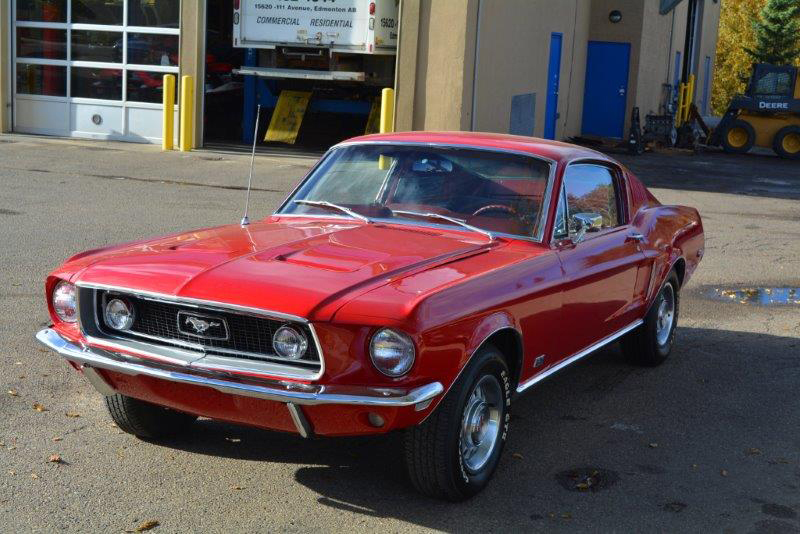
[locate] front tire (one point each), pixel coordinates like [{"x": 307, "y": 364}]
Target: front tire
[
  {"x": 739, "y": 137},
  {"x": 454, "y": 453},
  {"x": 651, "y": 343},
  {"x": 146, "y": 420}
]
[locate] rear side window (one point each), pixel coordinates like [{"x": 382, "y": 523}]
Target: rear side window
[{"x": 592, "y": 189}]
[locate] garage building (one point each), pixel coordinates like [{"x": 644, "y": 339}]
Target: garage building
[{"x": 94, "y": 68}]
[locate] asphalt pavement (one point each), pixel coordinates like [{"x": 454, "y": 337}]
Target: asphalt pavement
[{"x": 708, "y": 442}]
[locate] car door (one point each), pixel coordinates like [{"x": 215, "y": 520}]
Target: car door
[{"x": 600, "y": 263}]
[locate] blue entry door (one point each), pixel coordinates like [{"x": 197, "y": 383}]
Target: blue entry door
[
  {"x": 553, "y": 80},
  {"x": 606, "y": 91}
]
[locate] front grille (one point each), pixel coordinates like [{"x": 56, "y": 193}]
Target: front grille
[{"x": 245, "y": 336}]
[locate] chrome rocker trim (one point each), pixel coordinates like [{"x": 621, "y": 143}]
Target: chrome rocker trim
[
  {"x": 291, "y": 393},
  {"x": 575, "y": 357}
]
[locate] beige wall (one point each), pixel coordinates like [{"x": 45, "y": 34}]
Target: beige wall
[
  {"x": 513, "y": 59},
  {"x": 656, "y": 60},
  {"x": 434, "y": 65},
  {"x": 5, "y": 68},
  {"x": 192, "y": 57},
  {"x": 707, "y": 48}
]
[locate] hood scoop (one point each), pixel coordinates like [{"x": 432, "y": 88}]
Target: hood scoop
[{"x": 334, "y": 257}]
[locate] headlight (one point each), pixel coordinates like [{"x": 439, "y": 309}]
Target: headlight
[
  {"x": 64, "y": 302},
  {"x": 119, "y": 314},
  {"x": 392, "y": 352},
  {"x": 289, "y": 343}
]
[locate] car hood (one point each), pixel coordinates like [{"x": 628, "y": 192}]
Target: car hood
[{"x": 302, "y": 267}]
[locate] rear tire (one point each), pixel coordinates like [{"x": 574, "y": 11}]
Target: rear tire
[
  {"x": 787, "y": 142},
  {"x": 454, "y": 453},
  {"x": 146, "y": 420},
  {"x": 739, "y": 137},
  {"x": 651, "y": 343}
]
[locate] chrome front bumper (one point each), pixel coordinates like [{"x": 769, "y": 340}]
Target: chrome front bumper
[{"x": 291, "y": 393}]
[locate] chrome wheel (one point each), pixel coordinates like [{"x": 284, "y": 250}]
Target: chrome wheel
[
  {"x": 666, "y": 314},
  {"x": 480, "y": 426}
]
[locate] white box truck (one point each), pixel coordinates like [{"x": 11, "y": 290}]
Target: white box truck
[
  {"x": 355, "y": 26},
  {"x": 333, "y": 40}
]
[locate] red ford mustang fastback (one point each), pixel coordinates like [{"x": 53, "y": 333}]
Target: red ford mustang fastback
[{"x": 412, "y": 281}]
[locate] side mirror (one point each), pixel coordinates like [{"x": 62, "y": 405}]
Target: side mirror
[{"x": 580, "y": 223}]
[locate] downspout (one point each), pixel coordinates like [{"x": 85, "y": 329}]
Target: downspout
[{"x": 475, "y": 65}]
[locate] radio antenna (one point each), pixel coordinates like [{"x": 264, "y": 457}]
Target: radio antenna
[{"x": 246, "y": 219}]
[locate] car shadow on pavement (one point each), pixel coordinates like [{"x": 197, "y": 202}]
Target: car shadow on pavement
[{"x": 707, "y": 440}]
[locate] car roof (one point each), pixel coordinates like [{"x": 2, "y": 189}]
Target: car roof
[{"x": 553, "y": 150}]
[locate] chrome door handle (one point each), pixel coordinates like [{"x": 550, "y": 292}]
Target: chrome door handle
[{"x": 639, "y": 238}]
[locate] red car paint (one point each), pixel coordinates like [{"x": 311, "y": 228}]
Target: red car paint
[{"x": 449, "y": 289}]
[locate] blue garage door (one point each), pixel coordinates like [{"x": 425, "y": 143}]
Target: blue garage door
[{"x": 606, "y": 90}]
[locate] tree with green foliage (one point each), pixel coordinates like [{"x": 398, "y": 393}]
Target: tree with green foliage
[
  {"x": 777, "y": 33},
  {"x": 734, "y": 65}
]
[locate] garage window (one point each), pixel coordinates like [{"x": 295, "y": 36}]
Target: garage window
[{"x": 89, "y": 53}]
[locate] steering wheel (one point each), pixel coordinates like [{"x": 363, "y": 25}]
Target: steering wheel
[{"x": 495, "y": 207}]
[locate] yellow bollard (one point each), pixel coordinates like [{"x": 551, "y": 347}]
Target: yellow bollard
[
  {"x": 386, "y": 123},
  {"x": 689, "y": 97},
  {"x": 679, "y": 111},
  {"x": 387, "y": 110},
  {"x": 187, "y": 109},
  {"x": 168, "y": 130}
]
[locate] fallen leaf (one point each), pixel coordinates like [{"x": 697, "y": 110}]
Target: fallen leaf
[
  {"x": 55, "y": 459},
  {"x": 2, "y": 444},
  {"x": 653, "y": 445},
  {"x": 12, "y": 473},
  {"x": 13, "y": 392},
  {"x": 12, "y": 447},
  {"x": 517, "y": 455},
  {"x": 34, "y": 476},
  {"x": 583, "y": 486},
  {"x": 57, "y": 439},
  {"x": 724, "y": 472},
  {"x": 752, "y": 451},
  {"x": 694, "y": 466},
  {"x": 20, "y": 363},
  {"x": 72, "y": 414},
  {"x": 566, "y": 515},
  {"x": 147, "y": 525},
  {"x": 237, "y": 488},
  {"x": 39, "y": 407}
]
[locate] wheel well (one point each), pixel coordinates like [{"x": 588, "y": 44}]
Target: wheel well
[
  {"x": 680, "y": 270},
  {"x": 509, "y": 342}
]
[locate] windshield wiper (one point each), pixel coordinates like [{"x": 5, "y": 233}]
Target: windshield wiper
[
  {"x": 331, "y": 205},
  {"x": 453, "y": 220}
]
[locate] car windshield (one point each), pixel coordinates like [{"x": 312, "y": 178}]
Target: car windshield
[{"x": 483, "y": 190}]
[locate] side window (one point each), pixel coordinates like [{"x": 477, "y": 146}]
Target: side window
[{"x": 592, "y": 189}]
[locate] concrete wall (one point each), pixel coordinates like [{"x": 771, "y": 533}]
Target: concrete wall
[
  {"x": 5, "y": 67},
  {"x": 513, "y": 52},
  {"x": 192, "y": 57},
  {"x": 435, "y": 65},
  {"x": 707, "y": 48}
]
